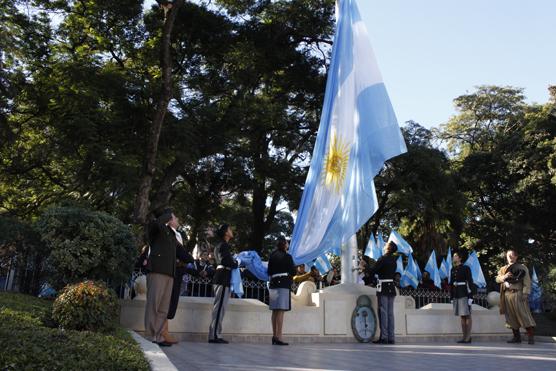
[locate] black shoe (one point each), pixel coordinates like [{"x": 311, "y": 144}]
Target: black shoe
[
  {"x": 164, "y": 344},
  {"x": 380, "y": 341},
  {"x": 514, "y": 341},
  {"x": 276, "y": 341},
  {"x": 218, "y": 341},
  {"x": 531, "y": 340},
  {"x": 467, "y": 341},
  {"x": 391, "y": 342},
  {"x": 462, "y": 341}
]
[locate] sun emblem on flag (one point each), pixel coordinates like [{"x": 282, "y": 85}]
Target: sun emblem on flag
[{"x": 336, "y": 163}]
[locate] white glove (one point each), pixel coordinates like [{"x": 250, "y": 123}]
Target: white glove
[{"x": 469, "y": 302}]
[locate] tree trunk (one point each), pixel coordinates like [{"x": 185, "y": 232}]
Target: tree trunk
[{"x": 141, "y": 207}]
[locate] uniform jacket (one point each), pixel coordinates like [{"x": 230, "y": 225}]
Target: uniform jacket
[
  {"x": 281, "y": 262},
  {"x": 524, "y": 286},
  {"x": 461, "y": 273},
  {"x": 223, "y": 256},
  {"x": 385, "y": 267}
]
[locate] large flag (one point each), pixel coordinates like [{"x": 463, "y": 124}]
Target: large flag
[
  {"x": 358, "y": 132},
  {"x": 399, "y": 265},
  {"x": 536, "y": 293},
  {"x": 449, "y": 263},
  {"x": 403, "y": 246},
  {"x": 372, "y": 250},
  {"x": 409, "y": 277},
  {"x": 476, "y": 271},
  {"x": 432, "y": 268}
]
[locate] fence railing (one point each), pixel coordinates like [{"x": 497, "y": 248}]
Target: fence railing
[
  {"x": 202, "y": 287},
  {"x": 423, "y": 297}
]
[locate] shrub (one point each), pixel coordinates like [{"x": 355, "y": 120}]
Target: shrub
[
  {"x": 29, "y": 345},
  {"x": 85, "y": 244},
  {"x": 86, "y": 306}
]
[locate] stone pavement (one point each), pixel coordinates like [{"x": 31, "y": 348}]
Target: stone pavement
[{"x": 354, "y": 356}]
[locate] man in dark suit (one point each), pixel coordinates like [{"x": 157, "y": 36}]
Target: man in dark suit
[
  {"x": 221, "y": 282},
  {"x": 161, "y": 267}
]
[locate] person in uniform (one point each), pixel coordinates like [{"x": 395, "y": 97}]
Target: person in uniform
[
  {"x": 161, "y": 267},
  {"x": 385, "y": 268},
  {"x": 515, "y": 287},
  {"x": 461, "y": 293},
  {"x": 221, "y": 282},
  {"x": 281, "y": 269}
]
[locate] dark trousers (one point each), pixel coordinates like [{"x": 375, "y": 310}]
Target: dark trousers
[
  {"x": 175, "y": 298},
  {"x": 221, "y": 298},
  {"x": 386, "y": 310}
]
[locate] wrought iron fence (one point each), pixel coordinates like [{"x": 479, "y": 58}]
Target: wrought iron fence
[
  {"x": 426, "y": 296},
  {"x": 202, "y": 287}
]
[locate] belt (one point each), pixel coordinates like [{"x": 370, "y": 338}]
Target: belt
[
  {"x": 386, "y": 280},
  {"x": 223, "y": 267},
  {"x": 279, "y": 275},
  {"x": 460, "y": 283}
]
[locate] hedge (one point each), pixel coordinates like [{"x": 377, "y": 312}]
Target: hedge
[{"x": 28, "y": 343}]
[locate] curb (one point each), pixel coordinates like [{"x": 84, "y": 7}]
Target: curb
[
  {"x": 545, "y": 339},
  {"x": 158, "y": 361}
]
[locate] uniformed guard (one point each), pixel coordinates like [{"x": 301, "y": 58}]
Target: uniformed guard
[
  {"x": 385, "y": 268},
  {"x": 461, "y": 293},
  {"x": 221, "y": 282}
]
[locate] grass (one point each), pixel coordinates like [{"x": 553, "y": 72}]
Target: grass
[{"x": 31, "y": 342}]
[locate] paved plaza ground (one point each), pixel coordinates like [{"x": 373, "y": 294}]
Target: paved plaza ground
[{"x": 349, "y": 356}]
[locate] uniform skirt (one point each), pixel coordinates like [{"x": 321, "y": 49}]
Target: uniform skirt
[
  {"x": 279, "y": 299},
  {"x": 461, "y": 307}
]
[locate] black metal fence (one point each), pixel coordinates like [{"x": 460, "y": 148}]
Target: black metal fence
[
  {"x": 202, "y": 287},
  {"x": 423, "y": 297}
]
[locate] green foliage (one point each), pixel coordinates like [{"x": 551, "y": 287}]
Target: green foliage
[
  {"x": 27, "y": 343},
  {"x": 85, "y": 244},
  {"x": 87, "y": 306}
]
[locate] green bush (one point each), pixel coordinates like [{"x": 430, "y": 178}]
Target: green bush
[
  {"x": 87, "y": 305},
  {"x": 86, "y": 244},
  {"x": 29, "y": 345}
]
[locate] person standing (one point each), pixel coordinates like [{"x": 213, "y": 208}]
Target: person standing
[
  {"x": 281, "y": 269},
  {"x": 221, "y": 282},
  {"x": 461, "y": 293},
  {"x": 182, "y": 259},
  {"x": 161, "y": 267},
  {"x": 385, "y": 268},
  {"x": 515, "y": 287}
]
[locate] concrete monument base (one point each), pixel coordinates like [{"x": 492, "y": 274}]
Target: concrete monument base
[{"x": 323, "y": 316}]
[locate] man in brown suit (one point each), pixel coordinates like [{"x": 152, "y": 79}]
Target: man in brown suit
[{"x": 515, "y": 287}]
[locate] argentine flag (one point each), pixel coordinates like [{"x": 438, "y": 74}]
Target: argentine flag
[
  {"x": 432, "y": 268},
  {"x": 443, "y": 270},
  {"x": 409, "y": 277},
  {"x": 399, "y": 265},
  {"x": 358, "y": 132},
  {"x": 449, "y": 264},
  {"x": 323, "y": 264},
  {"x": 403, "y": 246},
  {"x": 372, "y": 250},
  {"x": 476, "y": 271}
]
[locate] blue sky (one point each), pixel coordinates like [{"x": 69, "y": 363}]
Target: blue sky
[{"x": 432, "y": 51}]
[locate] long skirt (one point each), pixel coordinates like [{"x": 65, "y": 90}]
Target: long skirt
[{"x": 517, "y": 311}]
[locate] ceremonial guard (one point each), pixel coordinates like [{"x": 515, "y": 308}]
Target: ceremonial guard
[
  {"x": 515, "y": 287},
  {"x": 281, "y": 269},
  {"x": 385, "y": 268},
  {"x": 462, "y": 290},
  {"x": 221, "y": 282}
]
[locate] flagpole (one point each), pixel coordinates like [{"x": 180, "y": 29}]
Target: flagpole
[{"x": 349, "y": 261}]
